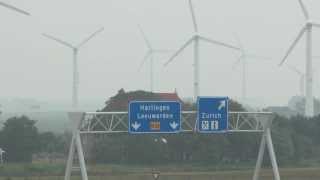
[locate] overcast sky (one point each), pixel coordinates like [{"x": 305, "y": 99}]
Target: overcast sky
[{"x": 32, "y": 66}]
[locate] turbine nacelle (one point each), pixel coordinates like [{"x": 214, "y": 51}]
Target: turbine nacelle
[
  {"x": 196, "y": 35},
  {"x": 309, "y": 23}
]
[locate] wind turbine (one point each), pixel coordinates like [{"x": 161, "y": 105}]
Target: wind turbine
[
  {"x": 1, "y": 155},
  {"x": 75, "y": 50},
  {"x": 195, "y": 39},
  {"x": 302, "y": 77},
  {"x": 150, "y": 56},
  {"x": 243, "y": 59},
  {"x": 307, "y": 28},
  {"x": 14, "y": 8}
]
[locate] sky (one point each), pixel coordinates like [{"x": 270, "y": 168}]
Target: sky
[{"x": 32, "y": 66}]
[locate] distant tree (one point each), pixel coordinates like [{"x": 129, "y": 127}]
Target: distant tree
[
  {"x": 180, "y": 148},
  {"x": 50, "y": 143},
  {"x": 19, "y": 139},
  {"x": 297, "y": 103}
]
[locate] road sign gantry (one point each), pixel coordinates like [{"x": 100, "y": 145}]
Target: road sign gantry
[{"x": 117, "y": 122}]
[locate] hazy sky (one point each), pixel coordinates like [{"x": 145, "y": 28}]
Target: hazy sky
[{"x": 35, "y": 67}]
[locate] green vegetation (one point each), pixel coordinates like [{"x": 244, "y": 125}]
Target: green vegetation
[
  {"x": 296, "y": 142},
  {"x": 21, "y": 140},
  {"x": 101, "y": 172},
  {"x": 28, "y": 169}
]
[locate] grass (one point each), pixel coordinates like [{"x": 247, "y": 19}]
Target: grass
[
  {"x": 286, "y": 174},
  {"x": 22, "y": 169},
  {"x": 134, "y": 172}
]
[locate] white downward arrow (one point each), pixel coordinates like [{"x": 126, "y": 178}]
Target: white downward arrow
[
  {"x": 135, "y": 125},
  {"x": 222, "y": 105},
  {"x": 173, "y": 125}
]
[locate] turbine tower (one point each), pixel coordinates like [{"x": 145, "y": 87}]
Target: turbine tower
[
  {"x": 195, "y": 39},
  {"x": 150, "y": 56},
  {"x": 307, "y": 28},
  {"x": 302, "y": 77},
  {"x": 1, "y": 155},
  {"x": 14, "y": 8},
  {"x": 75, "y": 50},
  {"x": 243, "y": 59}
]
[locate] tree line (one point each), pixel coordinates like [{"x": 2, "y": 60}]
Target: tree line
[
  {"x": 20, "y": 139},
  {"x": 296, "y": 141}
]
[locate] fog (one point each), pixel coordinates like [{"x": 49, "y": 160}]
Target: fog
[{"x": 33, "y": 66}]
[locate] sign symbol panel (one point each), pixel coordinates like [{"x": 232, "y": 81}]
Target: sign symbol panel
[
  {"x": 154, "y": 117},
  {"x": 212, "y": 114}
]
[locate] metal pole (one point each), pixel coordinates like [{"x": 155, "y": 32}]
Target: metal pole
[
  {"x": 260, "y": 157},
  {"x": 272, "y": 155},
  {"x": 244, "y": 88},
  {"x": 151, "y": 72},
  {"x": 70, "y": 158},
  {"x": 81, "y": 157},
  {"x": 75, "y": 118},
  {"x": 309, "y": 96},
  {"x": 75, "y": 79},
  {"x": 302, "y": 83},
  {"x": 196, "y": 69}
]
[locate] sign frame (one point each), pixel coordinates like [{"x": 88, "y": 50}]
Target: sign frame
[
  {"x": 159, "y": 132},
  {"x": 198, "y": 114}
]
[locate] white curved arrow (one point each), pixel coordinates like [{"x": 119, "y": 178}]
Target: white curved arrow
[{"x": 222, "y": 105}]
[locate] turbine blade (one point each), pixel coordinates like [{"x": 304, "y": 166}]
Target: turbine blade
[
  {"x": 14, "y": 8},
  {"x": 218, "y": 43},
  {"x": 179, "y": 51},
  {"x": 316, "y": 25},
  {"x": 294, "y": 69},
  {"x": 293, "y": 45},
  {"x": 145, "y": 37},
  {"x": 58, "y": 40},
  {"x": 145, "y": 58},
  {"x": 90, "y": 37},
  {"x": 304, "y": 9},
  {"x": 194, "y": 20}
]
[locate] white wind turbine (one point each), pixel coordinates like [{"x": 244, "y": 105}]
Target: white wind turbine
[
  {"x": 243, "y": 59},
  {"x": 195, "y": 39},
  {"x": 150, "y": 56},
  {"x": 302, "y": 77},
  {"x": 307, "y": 28},
  {"x": 75, "y": 50},
  {"x": 14, "y": 8},
  {"x": 1, "y": 155}
]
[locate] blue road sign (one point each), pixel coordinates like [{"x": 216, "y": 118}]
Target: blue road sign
[
  {"x": 212, "y": 114},
  {"x": 154, "y": 117}
]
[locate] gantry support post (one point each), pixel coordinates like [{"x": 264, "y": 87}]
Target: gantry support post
[
  {"x": 76, "y": 146},
  {"x": 266, "y": 140}
]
